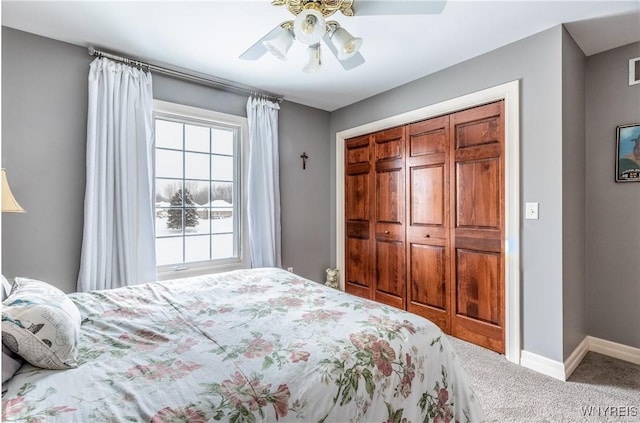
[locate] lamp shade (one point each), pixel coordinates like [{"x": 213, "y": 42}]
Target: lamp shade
[
  {"x": 280, "y": 44},
  {"x": 9, "y": 203},
  {"x": 309, "y": 27},
  {"x": 314, "y": 62},
  {"x": 346, "y": 44}
]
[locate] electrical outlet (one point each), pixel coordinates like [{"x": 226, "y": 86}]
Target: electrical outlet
[
  {"x": 290, "y": 269},
  {"x": 531, "y": 211}
]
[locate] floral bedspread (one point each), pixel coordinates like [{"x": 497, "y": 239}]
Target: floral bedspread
[{"x": 260, "y": 345}]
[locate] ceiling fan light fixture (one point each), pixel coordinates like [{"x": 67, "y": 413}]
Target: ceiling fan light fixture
[
  {"x": 309, "y": 27},
  {"x": 346, "y": 44},
  {"x": 280, "y": 44},
  {"x": 314, "y": 62}
]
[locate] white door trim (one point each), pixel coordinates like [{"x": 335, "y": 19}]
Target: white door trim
[{"x": 510, "y": 93}]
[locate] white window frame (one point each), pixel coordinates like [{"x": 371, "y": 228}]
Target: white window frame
[{"x": 180, "y": 112}]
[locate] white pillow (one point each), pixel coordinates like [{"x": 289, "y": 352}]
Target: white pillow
[
  {"x": 6, "y": 288},
  {"x": 10, "y": 364},
  {"x": 41, "y": 324}
]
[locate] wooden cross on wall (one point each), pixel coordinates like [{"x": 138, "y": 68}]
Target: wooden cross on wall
[{"x": 304, "y": 158}]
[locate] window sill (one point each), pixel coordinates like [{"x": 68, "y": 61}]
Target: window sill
[{"x": 164, "y": 275}]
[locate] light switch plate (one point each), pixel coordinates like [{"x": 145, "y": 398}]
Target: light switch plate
[{"x": 531, "y": 211}]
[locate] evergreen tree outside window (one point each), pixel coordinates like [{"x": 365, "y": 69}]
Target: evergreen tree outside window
[
  {"x": 175, "y": 215},
  {"x": 198, "y": 202}
]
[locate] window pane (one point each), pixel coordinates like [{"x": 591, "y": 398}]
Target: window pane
[
  {"x": 196, "y": 138},
  {"x": 191, "y": 220},
  {"x": 198, "y": 194},
  {"x": 169, "y": 250},
  {"x": 221, "y": 246},
  {"x": 198, "y": 191},
  {"x": 222, "y": 141},
  {"x": 168, "y": 193},
  {"x": 162, "y": 216},
  {"x": 221, "y": 221},
  {"x": 204, "y": 223},
  {"x": 172, "y": 224},
  {"x": 222, "y": 191},
  {"x": 196, "y": 166},
  {"x": 168, "y": 134},
  {"x": 168, "y": 164},
  {"x": 222, "y": 168},
  {"x": 196, "y": 248},
  {"x": 221, "y": 207}
]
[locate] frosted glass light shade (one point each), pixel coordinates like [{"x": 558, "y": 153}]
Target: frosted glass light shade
[
  {"x": 315, "y": 62},
  {"x": 280, "y": 44},
  {"x": 9, "y": 203},
  {"x": 346, "y": 44},
  {"x": 309, "y": 27}
]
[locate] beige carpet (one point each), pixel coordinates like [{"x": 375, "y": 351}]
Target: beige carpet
[{"x": 607, "y": 388}]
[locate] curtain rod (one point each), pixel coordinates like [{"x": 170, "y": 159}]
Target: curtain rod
[{"x": 216, "y": 83}]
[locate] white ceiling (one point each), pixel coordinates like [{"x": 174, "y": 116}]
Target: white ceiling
[{"x": 208, "y": 36}]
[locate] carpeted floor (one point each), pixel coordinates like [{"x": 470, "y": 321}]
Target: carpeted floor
[{"x": 602, "y": 389}]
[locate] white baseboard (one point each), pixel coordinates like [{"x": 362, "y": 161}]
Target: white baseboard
[
  {"x": 543, "y": 365},
  {"x": 576, "y": 357},
  {"x": 613, "y": 349},
  {"x": 562, "y": 371}
]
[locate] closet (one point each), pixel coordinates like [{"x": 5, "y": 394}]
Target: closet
[{"x": 424, "y": 221}]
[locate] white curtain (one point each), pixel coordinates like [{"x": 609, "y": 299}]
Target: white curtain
[
  {"x": 263, "y": 187},
  {"x": 118, "y": 245}
]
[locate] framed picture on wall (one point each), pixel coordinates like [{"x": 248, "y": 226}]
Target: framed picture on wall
[
  {"x": 628, "y": 153},
  {"x": 634, "y": 71}
]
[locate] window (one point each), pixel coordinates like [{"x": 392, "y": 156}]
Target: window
[{"x": 198, "y": 179}]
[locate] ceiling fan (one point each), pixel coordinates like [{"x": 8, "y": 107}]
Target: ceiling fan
[{"x": 311, "y": 26}]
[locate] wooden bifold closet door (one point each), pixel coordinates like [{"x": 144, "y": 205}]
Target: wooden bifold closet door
[{"x": 424, "y": 218}]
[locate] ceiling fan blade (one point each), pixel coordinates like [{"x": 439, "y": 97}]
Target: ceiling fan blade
[
  {"x": 348, "y": 64},
  {"x": 402, "y": 7},
  {"x": 257, "y": 50},
  {"x": 352, "y": 62}
]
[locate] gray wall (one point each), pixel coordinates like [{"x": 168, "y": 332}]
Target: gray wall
[
  {"x": 573, "y": 195},
  {"x": 537, "y": 62},
  {"x": 44, "y": 131},
  {"x": 305, "y": 218},
  {"x": 44, "y": 99},
  {"x": 613, "y": 209}
]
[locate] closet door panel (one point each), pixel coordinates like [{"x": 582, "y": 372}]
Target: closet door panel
[
  {"x": 426, "y": 195},
  {"x": 427, "y": 187},
  {"x": 357, "y": 193},
  {"x": 477, "y": 285},
  {"x": 477, "y": 226},
  {"x": 390, "y": 273},
  {"x": 479, "y": 126},
  {"x": 358, "y": 217},
  {"x": 427, "y": 282},
  {"x": 428, "y": 287},
  {"x": 389, "y": 144},
  {"x": 390, "y": 265},
  {"x": 357, "y": 267},
  {"x": 390, "y": 196},
  {"x": 478, "y": 193}
]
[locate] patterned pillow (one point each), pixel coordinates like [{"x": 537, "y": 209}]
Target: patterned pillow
[{"x": 41, "y": 324}]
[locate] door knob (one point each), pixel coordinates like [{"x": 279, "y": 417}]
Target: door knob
[{"x": 386, "y": 232}]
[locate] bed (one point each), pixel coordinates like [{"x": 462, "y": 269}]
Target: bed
[{"x": 245, "y": 346}]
